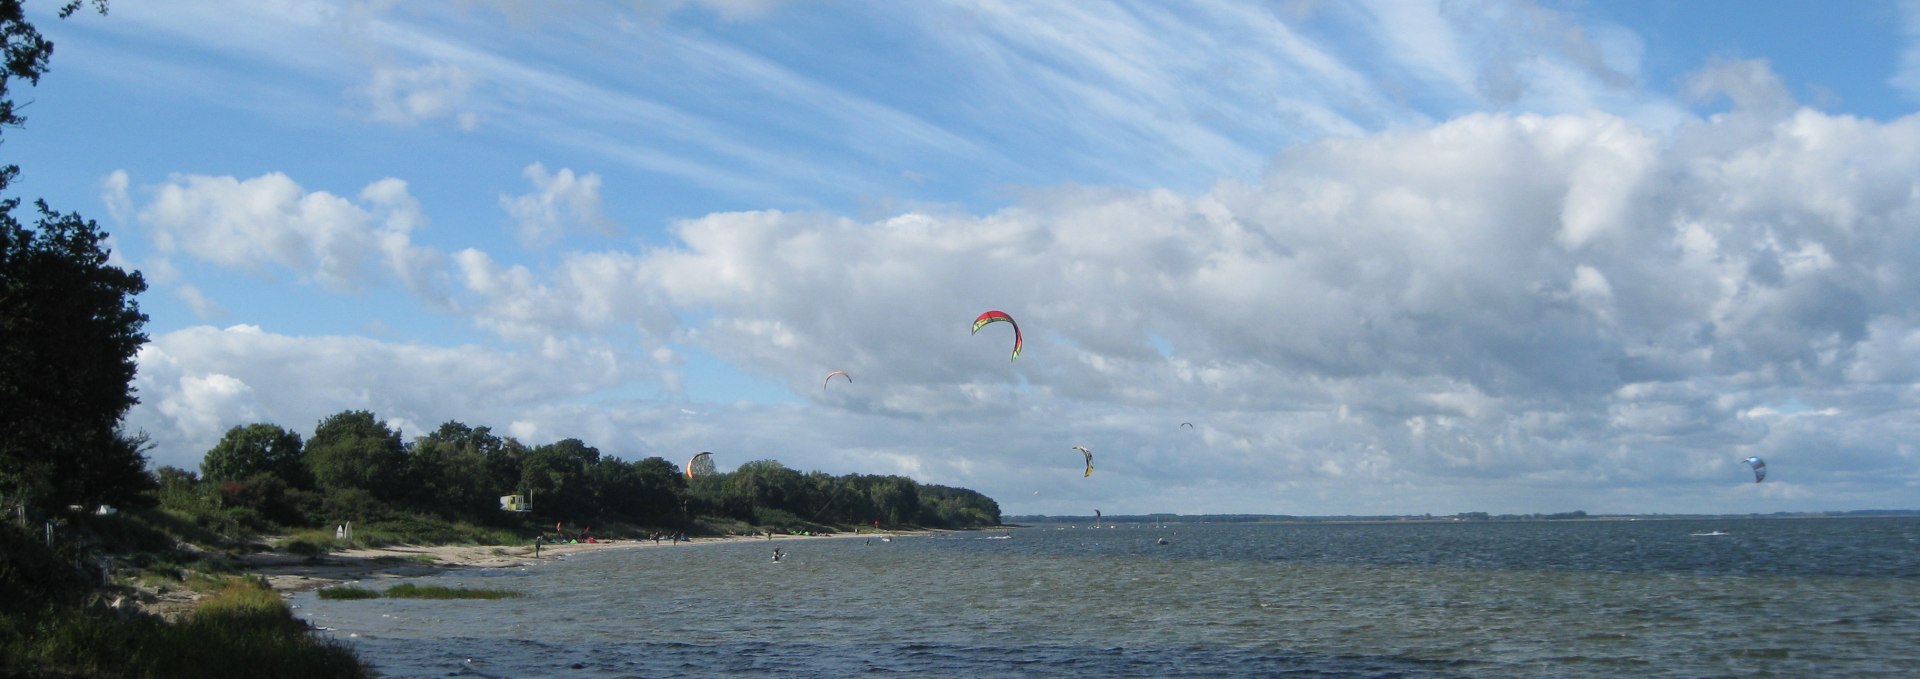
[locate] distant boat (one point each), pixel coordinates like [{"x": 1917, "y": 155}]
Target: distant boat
[
  {"x": 1161, "y": 541},
  {"x": 1709, "y": 534}
]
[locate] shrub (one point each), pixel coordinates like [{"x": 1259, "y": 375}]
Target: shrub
[
  {"x": 347, "y": 592},
  {"x": 310, "y": 544},
  {"x": 411, "y": 591}
]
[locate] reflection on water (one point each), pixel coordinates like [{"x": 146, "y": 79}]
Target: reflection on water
[{"x": 1787, "y": 598}]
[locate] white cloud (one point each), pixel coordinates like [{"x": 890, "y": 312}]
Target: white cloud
[
  {"x": 198, "y": 382},
  {"x": 197, "y": 302},
  {"x": 1906, "y": 77},
  {"x": 269, "y": 222},
  {"x": 113, "y": 194},
  {"x": 561, "y": 202},
  {"x": 409, "y": 96}
]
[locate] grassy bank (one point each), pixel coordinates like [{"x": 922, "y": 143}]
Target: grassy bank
[{"x": 244, "y": 630}]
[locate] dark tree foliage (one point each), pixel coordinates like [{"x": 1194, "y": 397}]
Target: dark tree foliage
[
  {"x": 69, "y": 329},
  {"x": 555, "y": 475},
  {"x": 458, "y": 472},
  {"x": 353, "y": 451},
  {"x": 258, "y": 448}
]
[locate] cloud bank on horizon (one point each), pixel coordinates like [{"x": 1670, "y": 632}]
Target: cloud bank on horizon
[{"x": 1393, "y": 258}]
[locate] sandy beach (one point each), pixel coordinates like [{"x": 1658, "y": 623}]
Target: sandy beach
[{"x": 289, "y": 573}]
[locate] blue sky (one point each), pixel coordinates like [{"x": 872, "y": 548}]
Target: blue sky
[{"x": 1396, "y": 257}]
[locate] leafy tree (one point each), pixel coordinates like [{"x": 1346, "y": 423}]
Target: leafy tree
[
  {"x": 556, "y": 475},
  {"x": 458, "y": 472},
  {"x": 69, "y": 328},
  {"x": 766, "y": 484},
  {"x": 351, "y": 450},
  {"x": 945, "y": 507},
  {"x": 255, "y": 449},
  {"x": 662, "y": 498},
  {"x": 895, "y": 498}
]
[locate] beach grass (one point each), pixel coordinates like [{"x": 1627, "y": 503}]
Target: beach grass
[
  {"x": 243, "y": 630},
  {"x": 412, "y": 591},
  {"x": 347, "y": 592}
]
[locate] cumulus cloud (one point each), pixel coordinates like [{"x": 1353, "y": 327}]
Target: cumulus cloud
[
  {"x": 561, "y": 202},
  {"x": 269, "y": 222},
  {"x": 197, "y": 382},
  {"x": 1412, "y": 319},
  {"x": 1547, "y": 296}
]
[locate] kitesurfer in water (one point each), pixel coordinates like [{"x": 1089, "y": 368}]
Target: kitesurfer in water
[{"x": 779, "y": 554}]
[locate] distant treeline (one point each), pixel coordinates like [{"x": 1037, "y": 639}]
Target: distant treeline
[{"x": 355, "y": 468}]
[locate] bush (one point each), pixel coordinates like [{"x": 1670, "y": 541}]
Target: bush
[
  {"x": 32, "y": 575},
  {"x": 407, "y": 590},
  {"x": 310, "y": 544},
  {"x": 242, "y": 631},
  {"x": 347, "y": 592}
]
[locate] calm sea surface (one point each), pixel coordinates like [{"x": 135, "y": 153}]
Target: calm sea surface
[{"x": 1771, "y": 598}]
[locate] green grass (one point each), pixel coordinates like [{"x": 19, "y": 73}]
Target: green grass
[
  {"x": 244, "y": 630},
  {"x": 310, "y": 543},
  {"x": 412, "y": 591},
  {"x": 347, "y": 592},
  {"x": 430, "y": 530}
]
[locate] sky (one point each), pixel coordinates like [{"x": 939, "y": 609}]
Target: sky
[{"x": 1386, "y": 258}]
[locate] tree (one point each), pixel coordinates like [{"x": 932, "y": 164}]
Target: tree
[
  {"x": 69, "y": 328},
  {"x": 461, "y": 472},
  {"x": 255, "y": 449},
  {"x": 556, "y": 476},
  {"x": 351, "y": 450},
  {"x": 662, "y": 501}
]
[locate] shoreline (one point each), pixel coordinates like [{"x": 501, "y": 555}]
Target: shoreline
[{"x": 288, "y": 574}]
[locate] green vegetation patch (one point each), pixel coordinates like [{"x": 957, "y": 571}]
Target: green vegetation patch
[
  {"x": 244, "y": 630},
  {"x": 412, "y": 591},
  {"x": 348, "y": 592}
]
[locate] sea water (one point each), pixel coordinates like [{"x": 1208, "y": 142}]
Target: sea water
[{"x": 1769, "y": 598}]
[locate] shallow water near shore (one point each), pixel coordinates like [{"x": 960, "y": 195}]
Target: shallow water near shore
[{"x": 1770, "y": 598}]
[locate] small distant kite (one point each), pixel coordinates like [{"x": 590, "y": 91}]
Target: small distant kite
[
  {"x": 1000, "y": 317},
  {"x": 1089, "y": 455},
  {"x": 696, "y": 460},
  {"x": 842, "y": 373},
  {"x": 1759, "y": 468},
  {"x": 1188, "y": 425}
]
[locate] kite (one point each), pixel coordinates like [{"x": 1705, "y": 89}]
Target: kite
[
  {"x": 1089, "y": 455},
  {"x": 1000, "y": 317},
  {"x": 841, "y": 373},
  {"x": 1188, "y": 425},
  {"x": 1759, "y": 468},
  {"x": 696, "y": 457}
]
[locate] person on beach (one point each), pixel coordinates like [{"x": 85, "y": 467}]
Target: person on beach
[{"x": 538, "y": 540}]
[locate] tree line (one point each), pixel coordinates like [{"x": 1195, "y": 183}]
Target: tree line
[{"x": 356, "y": 468}]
